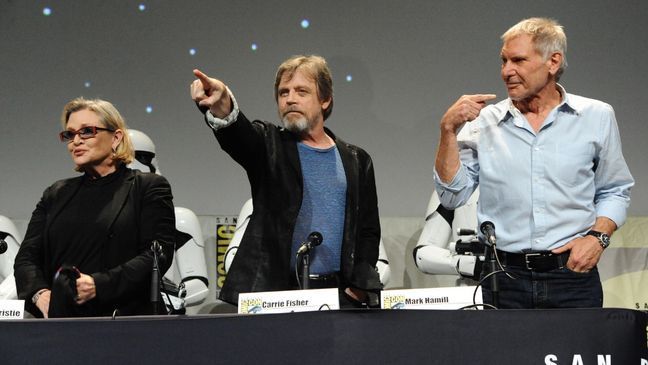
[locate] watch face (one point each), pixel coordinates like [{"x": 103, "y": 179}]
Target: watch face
[{"x": 605, "y": 239}]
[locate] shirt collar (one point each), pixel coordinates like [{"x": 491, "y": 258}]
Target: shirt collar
[
  {"x": 509, "y": 111},
  {"x": 568, "y": 105}
]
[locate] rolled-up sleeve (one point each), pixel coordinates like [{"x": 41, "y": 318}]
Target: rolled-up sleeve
[
  {"x": 457, "y": 192},
  {"x": 612, "y": 178}
]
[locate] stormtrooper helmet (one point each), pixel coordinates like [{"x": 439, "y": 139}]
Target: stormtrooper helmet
[{"x": 144, "y": 152}]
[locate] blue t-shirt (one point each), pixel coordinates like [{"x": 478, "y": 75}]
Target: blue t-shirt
[{"x": 323, "y": 207}]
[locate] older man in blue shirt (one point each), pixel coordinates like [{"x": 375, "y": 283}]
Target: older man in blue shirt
[{"x": 550, "y": 170}]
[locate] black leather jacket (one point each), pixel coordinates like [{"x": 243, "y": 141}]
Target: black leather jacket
[
  {"x": 269, "y": 155},
  {"x": 141, "y": 211}
]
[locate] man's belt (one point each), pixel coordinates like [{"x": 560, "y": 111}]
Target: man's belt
[
  {"x": 535, "y": 261},
  {"x": 321, "y": 281}
]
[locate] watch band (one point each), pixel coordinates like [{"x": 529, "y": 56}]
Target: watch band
[{"x": 603, "y": 238}]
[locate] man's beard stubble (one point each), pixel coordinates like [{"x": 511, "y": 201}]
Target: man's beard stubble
[{"x": 299, "y": 126}]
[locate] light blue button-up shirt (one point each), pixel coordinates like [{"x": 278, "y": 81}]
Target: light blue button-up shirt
[{"x": 542, "y": 189}]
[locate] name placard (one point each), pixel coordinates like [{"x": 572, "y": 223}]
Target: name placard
[
  {"x": 430, "y": 298},
  {"x": 12, "y": 309},
  {"x": 288, "y": 301}
]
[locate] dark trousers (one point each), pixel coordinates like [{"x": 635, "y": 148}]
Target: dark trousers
[{"x": 558, "y": 288}]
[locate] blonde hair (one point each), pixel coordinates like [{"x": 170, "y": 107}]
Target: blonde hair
[
  {"x": 315, "y": 67},
  {"x": 110, "y": 118},
  {"x": 547, "y": 35}
]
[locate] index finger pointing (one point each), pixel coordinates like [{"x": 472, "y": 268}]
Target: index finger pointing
[
  {"x": 204, "y": 79},
  {"x": 480, "y": 98}
]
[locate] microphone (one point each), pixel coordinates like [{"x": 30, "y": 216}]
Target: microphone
[
  {"x": 488, "y": 229},
  {"x": 156, "y": 248},
  {"x": 314, "y": 239}
]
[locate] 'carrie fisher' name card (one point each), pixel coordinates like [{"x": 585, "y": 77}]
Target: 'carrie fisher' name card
[{"x": 288, "y": 301}]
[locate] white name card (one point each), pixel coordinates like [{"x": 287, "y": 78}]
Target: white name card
[
  {"x": 12, "y": 309},
  {"x": 310, "y": 300},
  {"x": 430, "y": 298}
]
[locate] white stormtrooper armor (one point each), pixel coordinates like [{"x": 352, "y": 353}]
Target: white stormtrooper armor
[
  {"x": 241, "y": 225},
  {"x": 10, "y": 240},
  {"x": 244, "y": 218},
  {"x": 189, "y": 268},
  {"x": 382, "y": 265},
  {"x": 437, "y": 249},
  {"x": 145, "y": 159}
]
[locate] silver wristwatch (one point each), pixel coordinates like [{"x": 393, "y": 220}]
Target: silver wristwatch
[{"x": 603, "y": 238}]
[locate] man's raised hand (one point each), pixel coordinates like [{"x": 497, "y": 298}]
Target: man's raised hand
[
  {"x": 466, "y": 109},
  {"x": 212, "y": 94}
]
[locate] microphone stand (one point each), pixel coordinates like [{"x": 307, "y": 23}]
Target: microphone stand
[
  {"x": 314, "y": 239},
  {"x": 155, "y": 278},
  {"x": 493, "y": 268},
  {"x": 306, "y": 270}
]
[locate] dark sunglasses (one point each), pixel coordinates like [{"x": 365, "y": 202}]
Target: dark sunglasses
[{"x": 84, "y": 133}]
